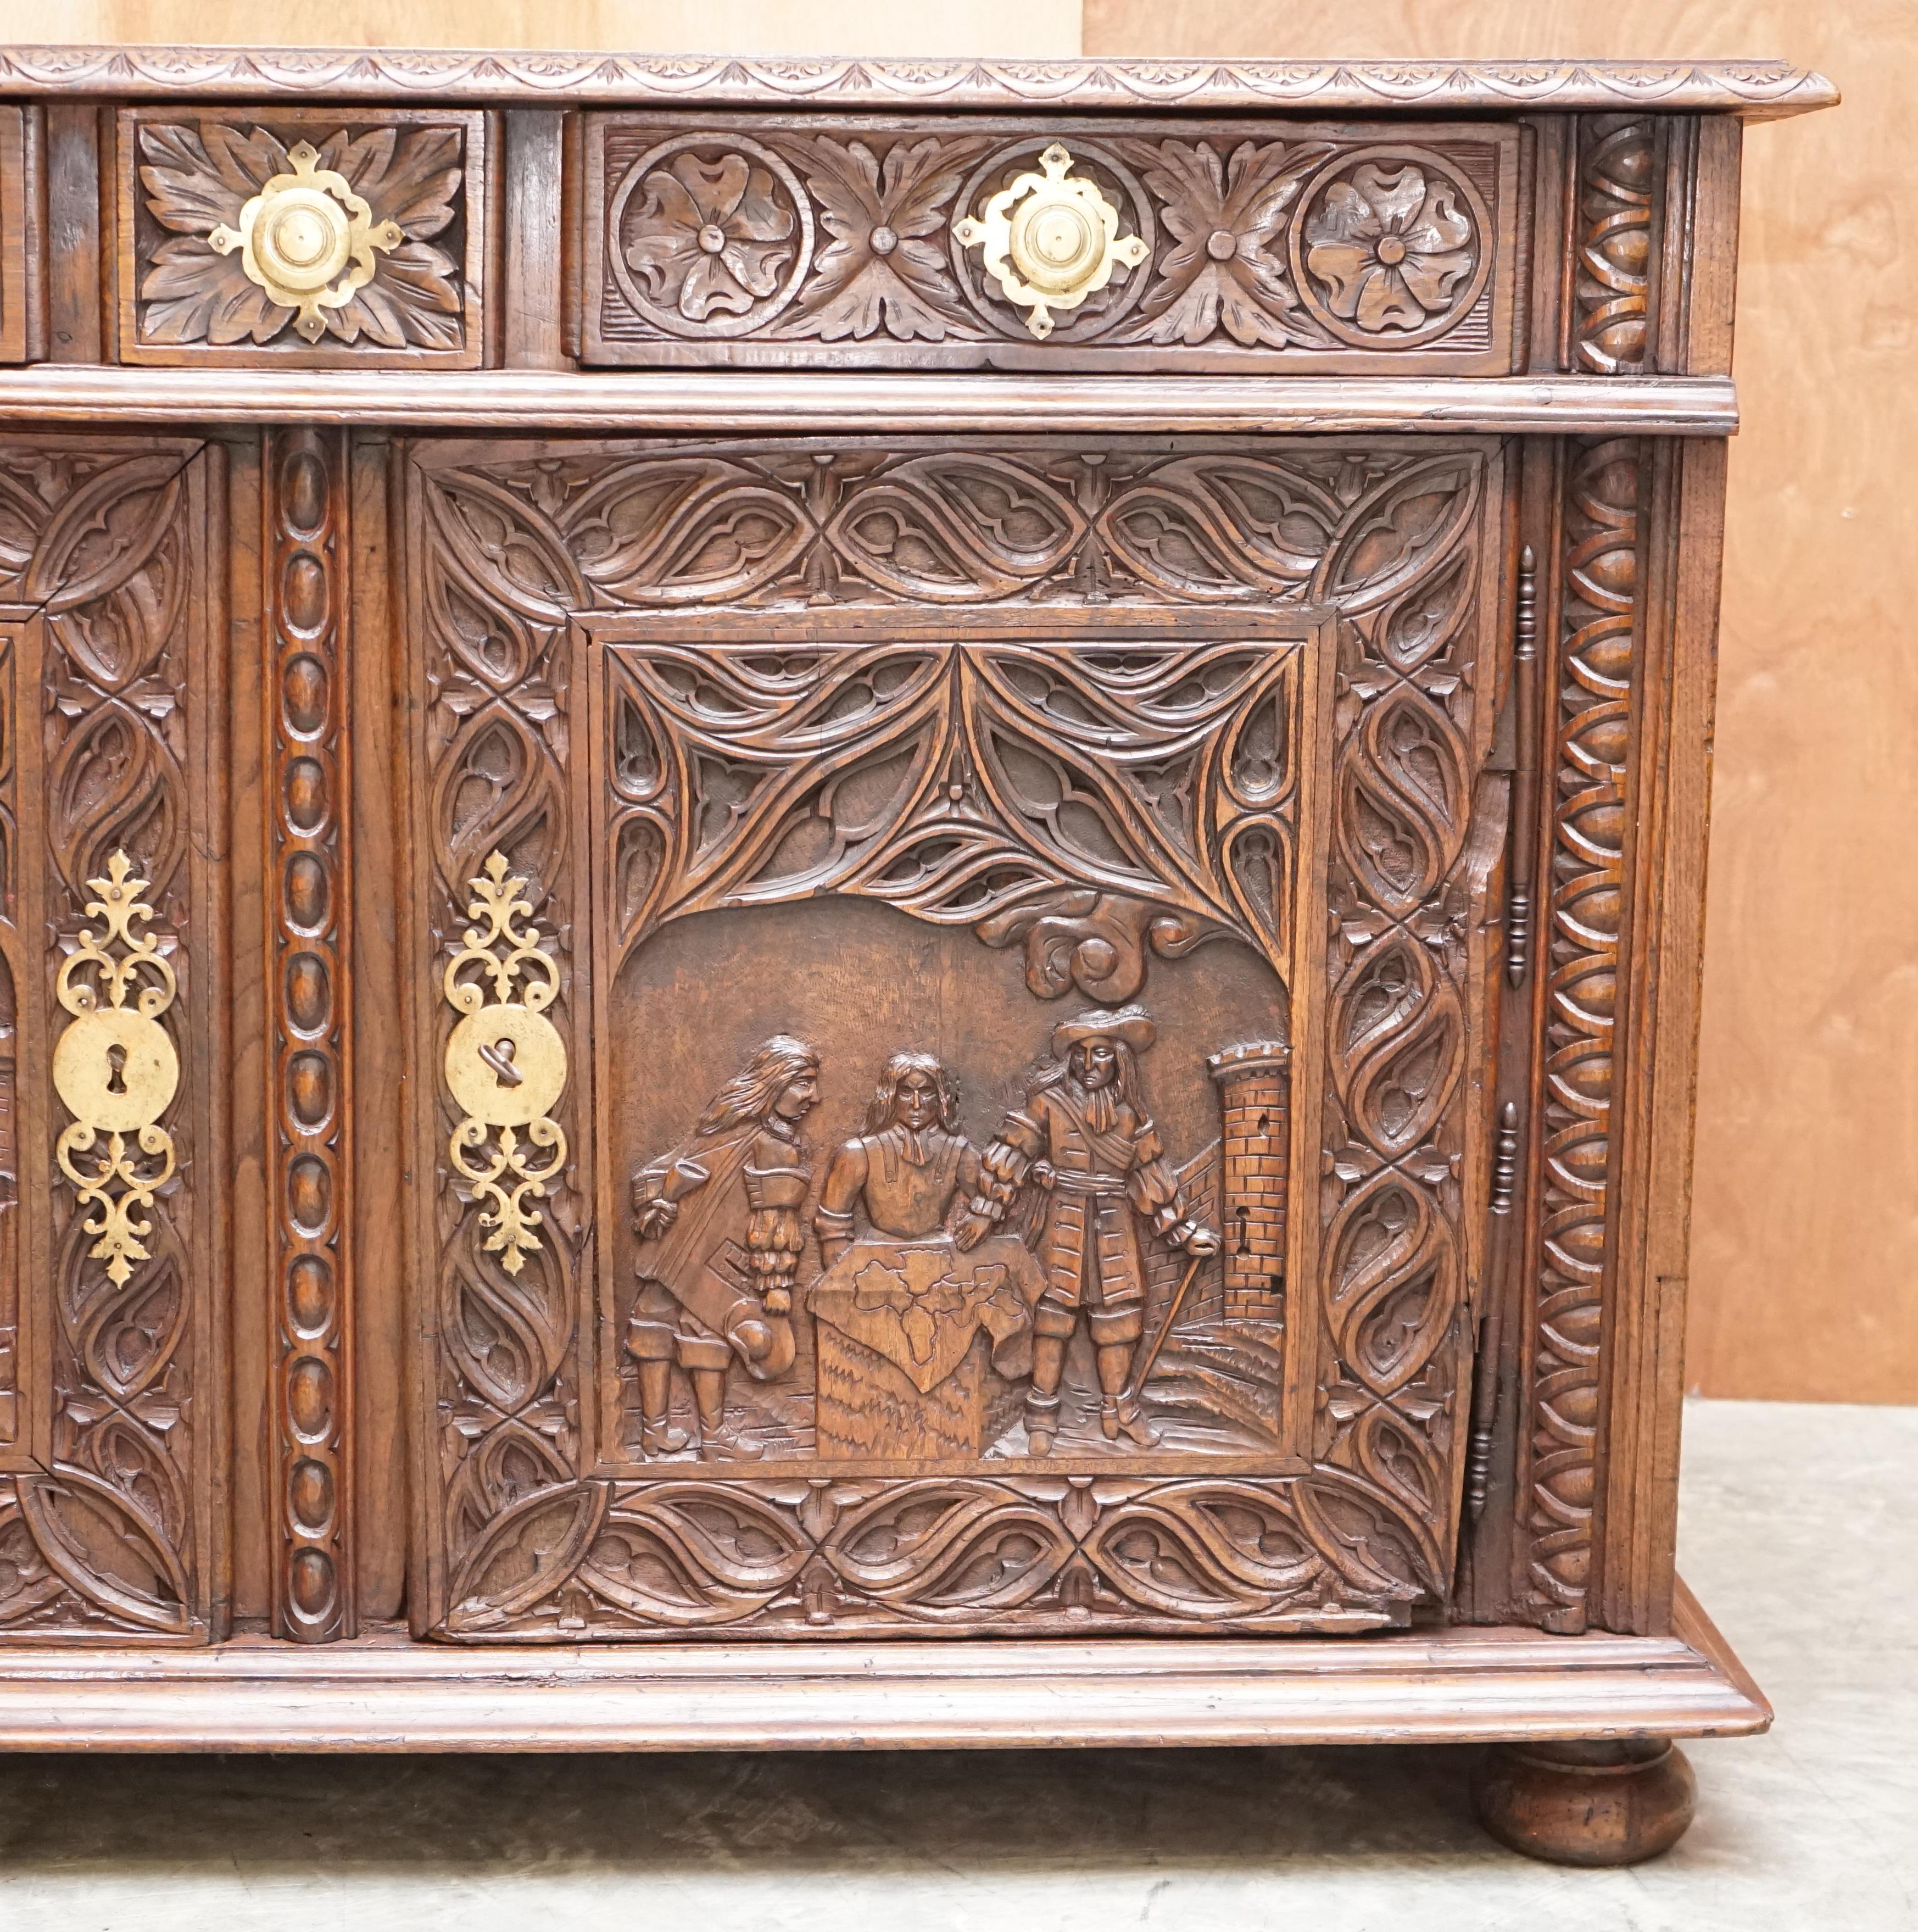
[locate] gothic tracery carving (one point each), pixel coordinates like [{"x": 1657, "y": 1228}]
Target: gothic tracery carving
[
  {"x": 104, "y": 1537},
  {"x": 513, "y": 544}
]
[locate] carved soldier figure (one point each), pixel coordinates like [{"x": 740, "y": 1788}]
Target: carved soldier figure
[
  {"x": 719, "y": 1221},
  {"x": 1083, "y": 1135},
  {"x": 905, "y": 1169}
]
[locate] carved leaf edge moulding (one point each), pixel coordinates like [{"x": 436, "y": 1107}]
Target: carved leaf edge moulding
[{"x": 1757, "y": 89}]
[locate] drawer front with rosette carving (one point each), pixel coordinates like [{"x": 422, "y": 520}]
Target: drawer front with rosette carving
[
  {"x": 978, "y": 243},
  {"x": 355, "y": 238},
  {"x": 954, "y": 974}
]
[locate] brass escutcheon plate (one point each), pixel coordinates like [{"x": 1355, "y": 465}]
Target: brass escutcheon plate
[
  {"x": 1050, "y": 240},
  {"x": 115, "y": 1070}
]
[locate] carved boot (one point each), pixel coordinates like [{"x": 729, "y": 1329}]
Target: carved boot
[
  {"x": 722, "y": 1442},
  {"x": 1041, "y": 1423},
  {"x": 1117, "y": 1418},
  {"x": 657, "y": 1436}
]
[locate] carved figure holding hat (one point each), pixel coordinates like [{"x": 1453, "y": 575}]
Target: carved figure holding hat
[
  {"x": 719, "y": 1240},
  {"x": 1084, "y": 1136}
]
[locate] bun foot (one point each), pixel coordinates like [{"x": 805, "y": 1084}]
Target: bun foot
[{"x": 1613, "y": 1803}]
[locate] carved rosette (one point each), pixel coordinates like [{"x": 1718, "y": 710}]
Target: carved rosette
[
  {"x": 509, "y": 549},
  {"x": 1122, "y": 247},
  {"x": 286, "y": 236},
  {"x": 309, "y": 871},
  {"x": 103, "y": 1538},
  {"x": 1393, "y": 247},
  {"x": 1597, "y": 657}
]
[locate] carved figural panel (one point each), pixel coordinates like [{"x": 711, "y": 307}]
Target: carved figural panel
[
  {"x": 356, "y": 238},
  {"x": 977, "y": 243},
  {"x": 114, "y": 985},
  {"x": 1008, "y": 923}
]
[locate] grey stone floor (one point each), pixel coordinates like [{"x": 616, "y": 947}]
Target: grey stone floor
[{"x": 1799, "y": 1533}]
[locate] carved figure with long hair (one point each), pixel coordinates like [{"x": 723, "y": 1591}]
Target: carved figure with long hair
[
  {"x": 721, "y": 1234},
  {"x": 905, "y": 1169}
]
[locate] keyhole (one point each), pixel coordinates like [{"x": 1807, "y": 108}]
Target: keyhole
[
  {"x": 499, "y": 1057},
  {"x": 116, "y": 1068},
  {"x": 1245, "y": 1237}
]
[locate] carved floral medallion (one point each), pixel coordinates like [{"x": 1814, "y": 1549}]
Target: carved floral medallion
[{"x": 1392, "y": 245}]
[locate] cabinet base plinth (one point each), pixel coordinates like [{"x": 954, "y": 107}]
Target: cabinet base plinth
[{"x": 383, "y": 1691}]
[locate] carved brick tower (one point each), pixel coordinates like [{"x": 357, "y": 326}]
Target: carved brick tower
[{"x": 1254, "y": 1087}]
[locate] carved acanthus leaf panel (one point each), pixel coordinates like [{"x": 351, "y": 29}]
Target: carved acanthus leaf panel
[
  {"x": 1598, "y": 647},
  {"x": 712, "y": 241},
  {"x": 511, "y": 541},
  {"x": 358, "y": 239},
  {"x": 107, "y": 1531}
]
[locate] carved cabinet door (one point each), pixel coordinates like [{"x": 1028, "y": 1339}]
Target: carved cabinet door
[{"x": 949, "y": 986}]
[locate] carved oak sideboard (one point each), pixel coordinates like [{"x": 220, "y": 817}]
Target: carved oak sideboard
[{"x": 802, "y": 858}]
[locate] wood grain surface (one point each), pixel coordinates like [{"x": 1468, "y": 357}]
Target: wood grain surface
[{"x": 1801, "y": 1285}]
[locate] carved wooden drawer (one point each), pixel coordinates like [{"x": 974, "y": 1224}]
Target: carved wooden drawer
[
  {"x": 356, "y": 237},
  {"x": 860, "y": 241},
  {"x": 1005, "y": 947}
]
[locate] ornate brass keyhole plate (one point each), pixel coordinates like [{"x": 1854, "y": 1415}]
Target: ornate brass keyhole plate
[
  {"x": 115, "y": 1068},
  {"x": 1050, "y": 240},
  {"x": 307, "y": 239},
  {"x": 505, "y": 1065}
]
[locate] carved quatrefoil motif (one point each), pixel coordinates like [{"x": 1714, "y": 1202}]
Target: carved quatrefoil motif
[{"x": 1050, "y": 240}]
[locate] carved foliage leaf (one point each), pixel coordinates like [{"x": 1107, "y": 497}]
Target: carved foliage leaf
[
  {"x": 198, "y": 179},
  {"x": 884, "y": 267},
  {"x": 1224, "y": 272}
]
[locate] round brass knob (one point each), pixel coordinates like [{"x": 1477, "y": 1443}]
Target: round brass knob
[
  {"x": 307, "y": 239},
  {"x": 1050, "y": 240}
]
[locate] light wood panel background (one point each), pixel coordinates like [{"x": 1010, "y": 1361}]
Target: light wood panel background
[
  {"x": 1037, "y": 29},
  {"x": 1806, "y": 1221},
  {"x": 1805, "y": 1226}
]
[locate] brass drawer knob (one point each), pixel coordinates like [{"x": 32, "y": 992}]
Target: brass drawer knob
[
  {"x": 300, "y": 233},
  {"x": 1050, "y": 240}
]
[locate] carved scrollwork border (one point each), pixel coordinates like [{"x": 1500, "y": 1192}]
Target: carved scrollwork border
[{"x": 105, "y": 1527}]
